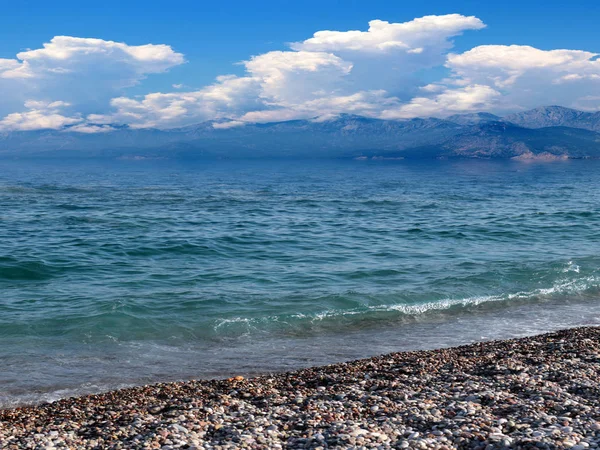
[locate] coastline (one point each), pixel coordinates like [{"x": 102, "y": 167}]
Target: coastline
[{"x": 535, "y": 392}]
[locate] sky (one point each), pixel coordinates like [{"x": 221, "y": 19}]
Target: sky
[{"x": 86, "y": 66}]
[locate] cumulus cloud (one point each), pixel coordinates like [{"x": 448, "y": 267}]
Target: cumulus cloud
[
  {"x": 449, "y": 101},
  {"x": 85, "y": 72},
  {"x": 277, "y": 83},
  {"x": 362, "y": 72},
  {"x": 90, "y": 129},
  {"x": 9, "y": 68},
  {"x": 393, "y": 56},
  {"x": 528, "y": 77},
  {"x": 228, "y": 124},
  {"x": 66, "y": 54},
  {"x": 39, "y": 115},
  {"x": 228, "y": 97},
  {"x": 288, "y": 78},
  {"x": 383, "y": 37},
  {"x": 365, "y": 103},
  {"x": 377, "y": 72}
]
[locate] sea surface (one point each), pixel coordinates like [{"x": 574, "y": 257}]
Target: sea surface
[{"x": 116, "y": 273}]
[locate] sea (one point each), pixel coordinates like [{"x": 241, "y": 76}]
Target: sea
[{"x": 127, "y": 272}]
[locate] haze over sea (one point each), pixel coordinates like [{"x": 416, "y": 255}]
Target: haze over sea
[{"x": 127, "y": 272}]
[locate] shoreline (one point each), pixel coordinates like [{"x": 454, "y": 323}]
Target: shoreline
[{"x": 534, "y": 392}]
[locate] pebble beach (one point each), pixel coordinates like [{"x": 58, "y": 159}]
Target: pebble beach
[{"x": 535, "y": 392}]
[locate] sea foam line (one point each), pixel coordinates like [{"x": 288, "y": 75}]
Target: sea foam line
[{"x": 561, "y": 287}]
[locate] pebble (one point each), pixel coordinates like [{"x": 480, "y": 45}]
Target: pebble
[{"x": 537, "y": 392}]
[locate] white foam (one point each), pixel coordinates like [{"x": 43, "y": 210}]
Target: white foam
[{"x": 560, "y": 287}]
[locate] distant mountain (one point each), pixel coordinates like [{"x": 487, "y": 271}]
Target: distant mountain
[
  {"x": 544, "y": 133},
  {"x": 505, "y": 140},
  {"x": 556, "y": 116},
  {"x": 473, "y": 118},
  {"x": 346, "y": 135}
]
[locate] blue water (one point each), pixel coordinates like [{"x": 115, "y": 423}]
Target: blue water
[{"x": 127, "y": 272}]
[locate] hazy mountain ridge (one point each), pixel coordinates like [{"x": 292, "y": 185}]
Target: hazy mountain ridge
[
  {"x": 548, "y": 131},
  {"x": 473, "y": 118},
  {"x": 556, "y": 116},
  {"x": 505, "y": 140}
]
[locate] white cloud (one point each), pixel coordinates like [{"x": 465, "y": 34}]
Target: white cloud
[
  {"x": 91, "y": 129},
  {"x": 393, "y": 56},
  {"x": 228, "y": 124},
  {"x": 66, "y": 54},
  {"x": 382, "y": 36},
  {"x": 9, "y": 68},
  {"x": 276, "y": 81},
  {"x": 229, "y": 96},
  {"x": 450, "y": 101},
  {"x": 85, "y": 72},
  {"x": 366, "y": 103},
  {"x": 288, "y": 78},
  {"x": 528, "y": 77},
  {"x": 40, "y": 115},
  {"x": 330, "y": 73},
  {"x": 516, "y": 59},
  {"x": 377, "y": 72}
]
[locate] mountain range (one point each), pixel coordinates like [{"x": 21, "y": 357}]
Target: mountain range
[{"x": 545, "y": 133}]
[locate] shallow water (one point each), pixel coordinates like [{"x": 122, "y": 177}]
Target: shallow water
[{"x": 119, "y": 273}]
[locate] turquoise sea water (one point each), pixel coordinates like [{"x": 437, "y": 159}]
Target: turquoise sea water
[{"x": 127, "y": 272}]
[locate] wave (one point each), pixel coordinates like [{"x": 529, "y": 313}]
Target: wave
[
  {"x": 46, "y": 189},
  {"x": 13, "y": 269},
  {"x": 15, "y": 399},
  {"x": 375, "y": 315},
  {"x": 174, "y": 248}
]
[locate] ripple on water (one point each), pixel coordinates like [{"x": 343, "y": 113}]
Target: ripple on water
[{"x": 109, "y": 271}]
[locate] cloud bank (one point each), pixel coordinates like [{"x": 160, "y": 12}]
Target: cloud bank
[
  {"x": 84, "y": 74},
  {"x": 81, "y": 84}
]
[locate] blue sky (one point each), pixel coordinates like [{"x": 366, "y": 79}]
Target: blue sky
[{"x": 214, "y": 37}]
